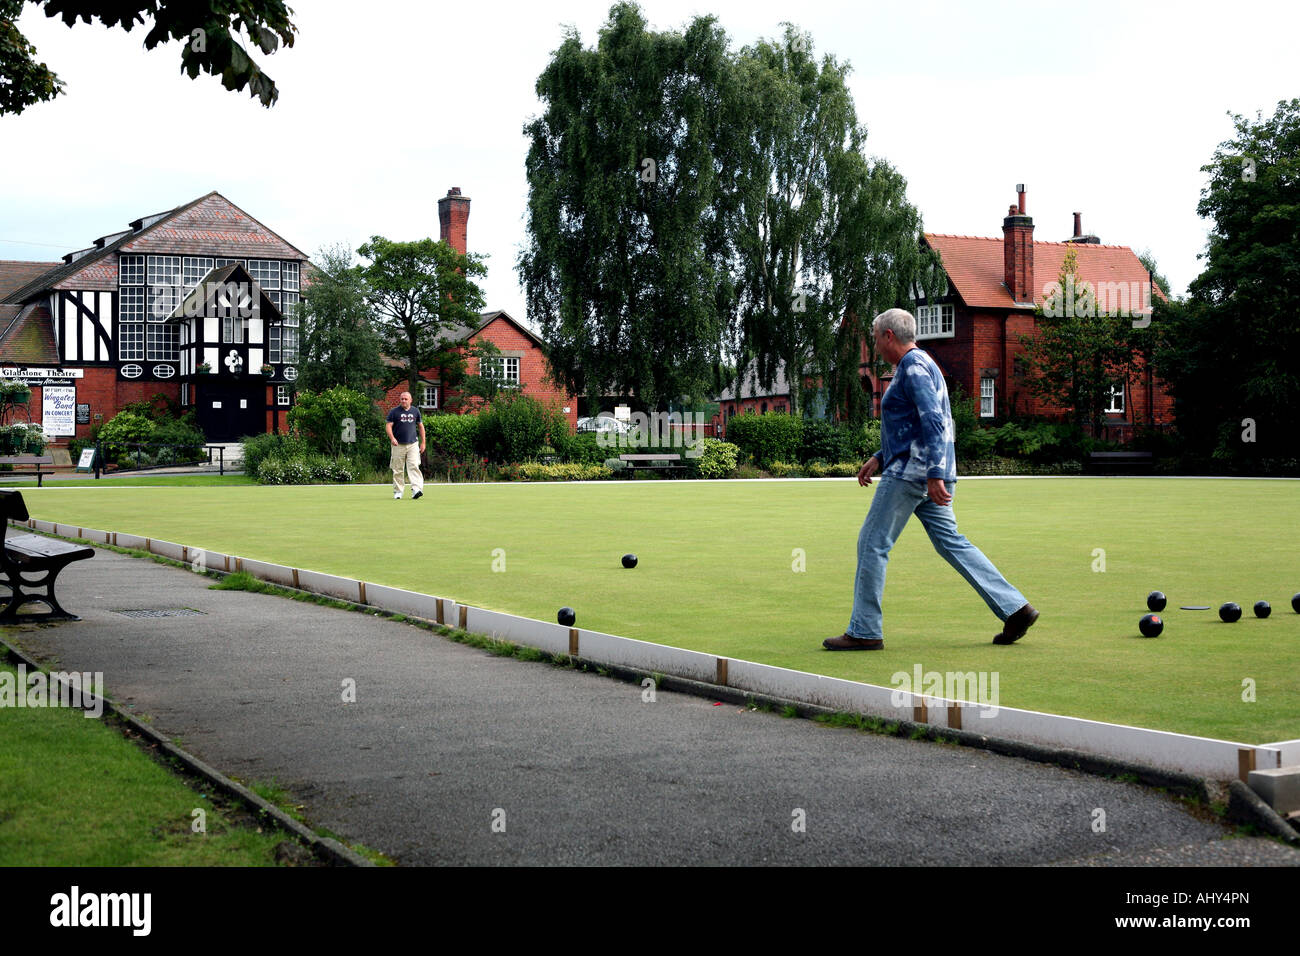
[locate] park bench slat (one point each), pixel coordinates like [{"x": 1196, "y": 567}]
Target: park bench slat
[
  {"x": 29, "y": 554},
  {"x": 37, "y": 460}
]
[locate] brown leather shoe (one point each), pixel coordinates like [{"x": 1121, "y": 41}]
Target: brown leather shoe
[
  {"x": 846, "y": 643},
  {"x": 1014, "y": 627}
]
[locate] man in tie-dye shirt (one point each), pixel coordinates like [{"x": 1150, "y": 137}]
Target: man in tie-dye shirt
[{"x": 917, "y": 463}]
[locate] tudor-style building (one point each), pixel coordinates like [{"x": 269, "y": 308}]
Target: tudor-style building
[
  {"x": 116, "y": 322},
  {"x": 230, "y": 343}
]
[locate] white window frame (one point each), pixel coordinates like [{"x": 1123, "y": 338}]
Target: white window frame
[
  {"x": 162, "y": 343},
  {"x": 266, "y": 273},
  {"x": 988, "y": 397},
  {"x": 936, "y": 321},
  {"x": 424, "y": 396},
  {"x": 130, "y": 308},
  {"x": 1116, "y": 398},
  {"x": 507, "y": 367},
  {"x": 234, "y": 329},
  {"x": 282, "y": 395},
  {"x": 289, "y": 276},
  {"x": 130, "y": 270},
  {"x": 194, "y": 268}
]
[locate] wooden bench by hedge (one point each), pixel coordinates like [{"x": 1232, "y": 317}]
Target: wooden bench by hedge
[
  {"x": 1128, "y": 462},
  {"x": 26, "y": 555},
  {"x": 665, "y": 462},
  {"x": 37, "y": 460}
]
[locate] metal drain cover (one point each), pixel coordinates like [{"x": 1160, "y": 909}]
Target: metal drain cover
[{"x": 159, "y": 612}]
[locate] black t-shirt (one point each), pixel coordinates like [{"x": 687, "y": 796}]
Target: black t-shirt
[{"x": 404, "y": 422}]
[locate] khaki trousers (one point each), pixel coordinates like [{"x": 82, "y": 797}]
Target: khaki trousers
[{"x": 406, "y": 458}]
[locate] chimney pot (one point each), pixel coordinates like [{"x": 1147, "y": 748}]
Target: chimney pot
[{"x": 1078, "y": 224}]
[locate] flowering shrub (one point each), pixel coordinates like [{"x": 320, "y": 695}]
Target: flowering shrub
[
  {"x": 566, "y": 472},
  {"x": 718, "y": 459},
  {"x": 312, "y": 469}
]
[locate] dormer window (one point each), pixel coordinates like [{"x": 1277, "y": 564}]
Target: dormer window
[{"x": 934, "y": 321}]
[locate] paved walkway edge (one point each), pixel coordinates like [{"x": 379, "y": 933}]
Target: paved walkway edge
[
  {"x": 325, "y": 849},
  {"x": 551, "y": 638}
]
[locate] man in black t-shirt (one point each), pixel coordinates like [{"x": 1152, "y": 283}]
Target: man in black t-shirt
[{"x": 406, "y": 432}]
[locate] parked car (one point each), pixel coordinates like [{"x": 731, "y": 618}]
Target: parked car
[{"x": 603, "y": 423}]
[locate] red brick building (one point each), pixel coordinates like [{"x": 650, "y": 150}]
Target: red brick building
[
  {"x": 104, "y": 326},
  {"x": 522, "y": 362},
  {"x": 972, "y": 329}
]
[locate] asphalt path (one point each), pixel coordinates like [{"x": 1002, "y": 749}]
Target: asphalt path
[{"x": 437, "y": 753}]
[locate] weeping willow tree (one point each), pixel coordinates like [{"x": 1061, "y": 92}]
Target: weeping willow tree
[{"x": 694, "y": 210}]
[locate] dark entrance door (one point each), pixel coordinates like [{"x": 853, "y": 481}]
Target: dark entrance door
[{"x": 231, "y": 410}]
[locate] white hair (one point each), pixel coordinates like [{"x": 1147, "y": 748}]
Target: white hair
[{"x": 899, "y": 321}]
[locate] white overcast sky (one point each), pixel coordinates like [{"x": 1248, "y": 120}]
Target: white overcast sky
[{"x": 1109, "y": 108}]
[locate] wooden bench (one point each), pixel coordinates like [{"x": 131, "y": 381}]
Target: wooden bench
[
  {"x": 665, "y": 462},
  {"x": 1126, "y": 462},
  {"x": 37, "y": 460},
  {"x": 25, "y": 555}
]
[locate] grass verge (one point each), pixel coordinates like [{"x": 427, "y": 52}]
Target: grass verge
[{"x": 75, "y": 792}]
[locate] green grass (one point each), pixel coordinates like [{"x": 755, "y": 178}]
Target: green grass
[
  {"x": 715, "y": 575},
  {"x": 74, "y": 792},
  {"x": 135, "y": 481}
]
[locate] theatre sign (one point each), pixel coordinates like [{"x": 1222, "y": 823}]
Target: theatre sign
[{"x": 40, "y": 376}]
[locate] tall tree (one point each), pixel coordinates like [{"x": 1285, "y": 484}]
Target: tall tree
[
  {"x": 1231, "y": 351},
  {"x": 1081, "y": 350},
  {"x": 822, "y": 232},
  {"x": 625, "y": 267},
  {"x": 209, "y": 33},
  {"x": 420, "y": 292},
  {"x": 692, "y": 209},
  {"x": 340, "y": 343}
]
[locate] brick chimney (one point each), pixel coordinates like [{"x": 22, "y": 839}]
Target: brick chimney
[
  {"x": 453, "y": 215},
  {"x": 1018, "y": 251},
  {"x": 1078, "y": 231}
]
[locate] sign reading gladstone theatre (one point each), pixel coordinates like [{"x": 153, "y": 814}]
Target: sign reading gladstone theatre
[{"x": 40, "y": 376}]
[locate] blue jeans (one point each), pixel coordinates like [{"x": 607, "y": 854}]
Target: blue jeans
[{"x": 894, "y": 502}]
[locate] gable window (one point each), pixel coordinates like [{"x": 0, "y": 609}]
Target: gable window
[
  {"x": 130, "y": 309},
  {"x": 1115, "y": 401},
  {"x": 194, "y": 269},
  {"x": 234, "y": 329},
  {"x": 934, "y": 320},
  {"x": 265, "y": 272},
  {"x": 503, "y": 369},
  {"x": 986, "y": 398},
  {"x": 130, "y": 270}
]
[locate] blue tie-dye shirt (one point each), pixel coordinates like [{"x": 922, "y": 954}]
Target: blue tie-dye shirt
[{"x": 916, "y": 423}]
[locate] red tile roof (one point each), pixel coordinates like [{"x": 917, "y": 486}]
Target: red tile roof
[
  {"x": 186, "y": 230},
  {"x": 28, "y": 338},
  {"x": 975, "y": 267},
  {"x": 14, "y": 273}
]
